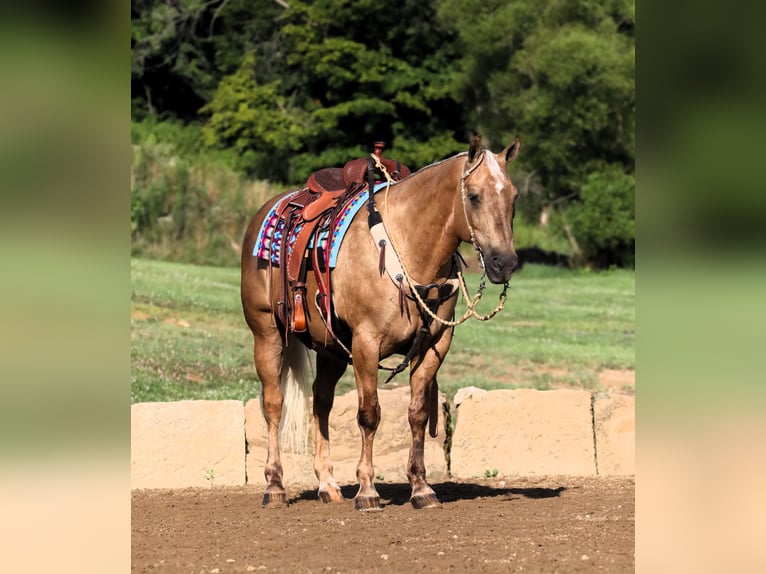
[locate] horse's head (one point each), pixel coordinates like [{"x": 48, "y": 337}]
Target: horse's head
[{"x": 488, "y": 197}]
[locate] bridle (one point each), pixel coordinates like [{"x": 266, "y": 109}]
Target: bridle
[
  {"x": 374, "y": 218},
  {"x": 471, "y": 302}
]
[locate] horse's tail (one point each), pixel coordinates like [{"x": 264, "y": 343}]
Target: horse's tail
[{"x": 296, "y": 389}]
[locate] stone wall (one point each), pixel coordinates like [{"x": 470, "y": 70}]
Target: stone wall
[{"x": 505, "y": 432}]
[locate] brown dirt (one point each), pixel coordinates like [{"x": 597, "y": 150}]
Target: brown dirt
[
  {"x": 621, "y": 380},
  {"x": 550, "y": 524}
]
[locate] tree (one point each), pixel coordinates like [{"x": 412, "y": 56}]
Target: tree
[
  {"x": 257, "y": 120},
  {"x": 561, "y": 74},
  {"x": 603, "y": 219},
  {"x": 355, "y": 72},
  {"x": 180, "y": 50},
  {"x": 299, "y": 85}
]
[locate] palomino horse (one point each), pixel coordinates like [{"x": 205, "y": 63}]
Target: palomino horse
[{"x": 468, "y": 197}]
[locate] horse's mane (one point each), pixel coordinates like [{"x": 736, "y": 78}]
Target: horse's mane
[{"x": 435, "y": 164}]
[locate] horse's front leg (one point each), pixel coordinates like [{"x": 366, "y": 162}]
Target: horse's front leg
[
  {"x": 329, "y": 370},
  {"x": 365, "y": 352},
  {"x": 424, "y": 405}
]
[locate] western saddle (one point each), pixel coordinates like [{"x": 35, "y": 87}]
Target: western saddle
[{"x": 315, "y": 208}]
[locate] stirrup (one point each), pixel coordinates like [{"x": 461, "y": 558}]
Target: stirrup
[{"x": 298, "y": 318}]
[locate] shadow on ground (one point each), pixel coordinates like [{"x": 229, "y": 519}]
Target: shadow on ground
[{"x": 398, "y": 493}]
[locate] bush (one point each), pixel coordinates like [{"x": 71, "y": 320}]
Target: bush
[
  {"x": 186, "y": 205},
  {"x": 603, "y": 220},
  {"x": 527, "y": 234},
  {"x": 182, "y": 140}
]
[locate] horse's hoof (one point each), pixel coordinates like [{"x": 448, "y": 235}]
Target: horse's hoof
[
  {"x": 367, "y": 503},
  {"x": 328, "y": 496},
  {"x": 274, "y": 500},
  {"x": 425, "y": 501}
]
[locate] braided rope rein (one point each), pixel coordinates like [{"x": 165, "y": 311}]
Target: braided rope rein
[{"x": 471, "y": 302}]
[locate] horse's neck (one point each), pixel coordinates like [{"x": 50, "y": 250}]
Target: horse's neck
[{"x": 423, "y": 219}]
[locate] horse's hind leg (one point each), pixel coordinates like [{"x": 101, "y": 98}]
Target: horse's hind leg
[
  {"x": 329, "y": 370},
  {"x": 268, "y": 349},
  {"x": 368, "y": 416},
  {"x": 423, "y": 400}
]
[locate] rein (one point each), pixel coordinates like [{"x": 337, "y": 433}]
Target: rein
[{"x": 471, "y": 302}]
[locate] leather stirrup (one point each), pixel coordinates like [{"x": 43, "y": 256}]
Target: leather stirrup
[{"x": 298, "y": 319}]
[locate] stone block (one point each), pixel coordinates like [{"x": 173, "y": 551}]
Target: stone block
[
  {"x": 615, "y": 422},
  {"x": 297, "y": 467},
  {"x": 187, "y": 443},
  {"x": 391, "y": 451},
  {"x": 524, "y": 432}
]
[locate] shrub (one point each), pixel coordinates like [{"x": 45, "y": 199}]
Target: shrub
[
  {"x": 188, "y": 206},
  {"x": 603, "y": 220}
]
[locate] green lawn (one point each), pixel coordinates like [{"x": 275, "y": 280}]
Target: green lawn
[{"x": 559, "y": 328}]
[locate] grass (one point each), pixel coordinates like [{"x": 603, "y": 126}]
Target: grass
[{"x": 559, "y": 328}]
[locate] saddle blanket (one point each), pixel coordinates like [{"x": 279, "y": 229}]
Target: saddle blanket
[{"x": 271, "y": 233}]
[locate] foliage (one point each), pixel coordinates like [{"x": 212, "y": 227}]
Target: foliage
[
  {"x": 559, "y": 329},
  {"x": 561, "y": 75},
  {"x": 284, "y": 88},
  {"x": 180, "y": 139},
  {"x": 345, "y": 85},
  {"x": 603, "y": 221},
  {"x": 180, "y": 50},
  {"x": 186, "y": 205},
  {"x": 530, "y": 234},
  {"x": 256, "y": 120}
]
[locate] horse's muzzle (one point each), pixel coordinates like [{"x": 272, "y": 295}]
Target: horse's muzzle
[{"x": 500, "y": 266}]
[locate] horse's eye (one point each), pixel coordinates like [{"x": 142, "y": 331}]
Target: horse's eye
[{"x": 474, "y": 199}]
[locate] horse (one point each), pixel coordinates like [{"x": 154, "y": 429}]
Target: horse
[{"x": 468, "y": 197}]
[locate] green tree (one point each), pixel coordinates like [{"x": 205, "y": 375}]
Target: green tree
[
  {"x": 603, "y": 219},
  {"x": 180, "y": 50},
  {"x": 257, "y": 120},
  {"x": 355, "y": 72},
  {"x": 293, "y": 86},
  {"x": 561, "y": 74}
]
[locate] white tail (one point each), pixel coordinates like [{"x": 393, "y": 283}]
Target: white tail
[{"x": 297, "y": 373}]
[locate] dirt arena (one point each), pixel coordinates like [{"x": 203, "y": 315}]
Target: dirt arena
[{"x": 552, "y": 524}]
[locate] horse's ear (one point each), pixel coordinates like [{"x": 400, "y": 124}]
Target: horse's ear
[
  {"x": 475, "y": 148},
  {"x": 512, "y": 150}
]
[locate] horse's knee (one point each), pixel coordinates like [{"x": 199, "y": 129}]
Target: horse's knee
[
  {"x": 272, "y": 400},
  {"x": 368, "y": 416},
  {"x": 272, "y": 405},
  {"x": 417, "y": 414}
]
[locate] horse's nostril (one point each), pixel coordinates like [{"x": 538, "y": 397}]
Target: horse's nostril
[{"x": 503, "y": 263}]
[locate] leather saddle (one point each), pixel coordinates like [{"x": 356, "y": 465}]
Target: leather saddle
[{"x": 316, "y": 208}]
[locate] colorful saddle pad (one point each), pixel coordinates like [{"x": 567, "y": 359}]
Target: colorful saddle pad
[{"x": 271, "y": 233}]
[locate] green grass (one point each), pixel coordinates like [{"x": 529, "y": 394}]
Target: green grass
[
  {"x": 559, "y": 328},
  {"x": 188, "y": 337}
]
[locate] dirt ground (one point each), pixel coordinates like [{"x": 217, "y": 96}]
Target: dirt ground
[{"x": 550, "y": 524}]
